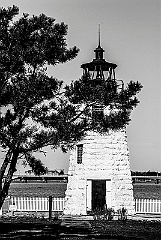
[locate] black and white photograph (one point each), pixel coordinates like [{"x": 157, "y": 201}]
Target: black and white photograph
[{"x": 80, "y": 119}]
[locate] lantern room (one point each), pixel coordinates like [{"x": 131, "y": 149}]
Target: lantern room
[{"x": 100, "y": 70}]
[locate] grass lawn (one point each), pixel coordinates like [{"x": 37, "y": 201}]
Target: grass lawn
[{"x": 40, "y": 228}]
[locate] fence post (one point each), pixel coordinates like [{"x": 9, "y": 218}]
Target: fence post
[{"x": 50, "y": 207}]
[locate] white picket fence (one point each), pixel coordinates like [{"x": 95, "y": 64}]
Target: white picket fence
[
  {"x": 40, "y": 204},
  {"x": 148, "y": 206},
  {"x": 36, "y": 204}
]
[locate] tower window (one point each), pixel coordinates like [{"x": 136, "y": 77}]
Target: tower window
[
  {"x": 79, "y": 153},
  {"x": 97, "y": 112}
]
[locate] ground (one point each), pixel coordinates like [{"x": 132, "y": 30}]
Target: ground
[{"x": 24, "y": 227}]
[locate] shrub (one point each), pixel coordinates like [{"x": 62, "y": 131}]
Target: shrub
[{"x": 122, "y": 214}]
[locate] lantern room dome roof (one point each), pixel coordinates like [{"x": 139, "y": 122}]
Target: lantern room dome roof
[
  {"x": 104, "y": 64},
  {"x": 99, "y": 60}
]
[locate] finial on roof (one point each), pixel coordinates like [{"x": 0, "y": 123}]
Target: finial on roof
[
  {"x": 99, "y": 37},
  {"x": 99, "y": 50}
]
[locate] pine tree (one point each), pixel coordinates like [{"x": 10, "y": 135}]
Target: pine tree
[
  {"x": 27, "y": 93},
  {"x": 35, "y": 110},
  {"x": 116, "y": 105}
]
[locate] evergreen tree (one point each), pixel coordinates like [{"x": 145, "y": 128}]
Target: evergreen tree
[
  {"x": 114, "y": 105},
  {"x": 35, "y": 110},
  {"x": 28, "y": 94}
]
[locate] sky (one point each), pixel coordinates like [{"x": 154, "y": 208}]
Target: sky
[{"x": 131, "y": 38}]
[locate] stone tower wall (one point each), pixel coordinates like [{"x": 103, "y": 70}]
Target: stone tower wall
[{"x": 104, "y": 157}]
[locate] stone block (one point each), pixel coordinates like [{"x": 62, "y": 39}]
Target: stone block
[{"x": 104, "y": 157}]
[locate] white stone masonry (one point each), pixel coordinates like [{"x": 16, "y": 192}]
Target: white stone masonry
[{"x": 105, "y": 157}]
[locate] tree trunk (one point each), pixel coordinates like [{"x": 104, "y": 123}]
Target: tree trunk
[
  {"x": 4, "y": 191},
  {"x": 4, "y": 166}
]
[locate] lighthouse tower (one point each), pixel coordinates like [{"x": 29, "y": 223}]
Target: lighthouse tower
[{"x": 99, "y": 168}]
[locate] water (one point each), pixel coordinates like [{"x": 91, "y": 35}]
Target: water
[
  {"x": 144, "y": 190},
  {"x": 57, "y": 189}
]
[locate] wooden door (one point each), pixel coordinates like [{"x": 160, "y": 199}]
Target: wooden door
[
  {"x": 98, "y": 194},
  {"x": 108, "y": 193}
]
